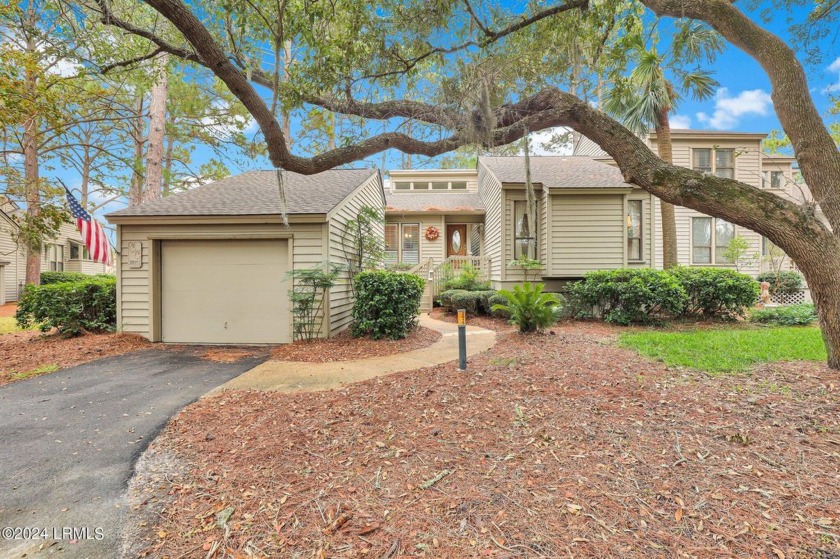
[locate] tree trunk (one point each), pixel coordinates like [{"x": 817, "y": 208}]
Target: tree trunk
[
  {"x": 157, "y": 131},
  {"x": 669, "y": 220},
  {"x": 823, "y": 277},
  {"x": 31, "y": 168},
  {"x": 32, "y": 187},
  {"x": 137, "y": 127},
  {"x": 167, "y": 171}
]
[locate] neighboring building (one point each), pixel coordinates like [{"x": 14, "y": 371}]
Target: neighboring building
[
  {"x": 66, "y": 253},
  {"x": 211, "y": 265}
]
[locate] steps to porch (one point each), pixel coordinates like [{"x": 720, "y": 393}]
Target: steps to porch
[{"x": 437, "y": 275}]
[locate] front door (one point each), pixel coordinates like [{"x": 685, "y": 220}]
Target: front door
[{"x": 456, "y": 240}]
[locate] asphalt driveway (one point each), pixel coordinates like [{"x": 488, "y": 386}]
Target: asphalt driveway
[{"x": 69, "y": 440}]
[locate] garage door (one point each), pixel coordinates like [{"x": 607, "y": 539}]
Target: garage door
[{"x": 225, "y": 292}]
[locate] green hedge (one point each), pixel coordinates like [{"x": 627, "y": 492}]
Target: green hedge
[
  {"x": 387, "y": 304},
  {"x": 787, "y": 283},
  {"x": 474, "y": 302},
  {"x": 716, "y": 291},
  {"x": 48, "y": 278},
  {"x": 71, "y": 307},
  {"x": 628, "y": 295},
  {"x": 791, "y": 315}
]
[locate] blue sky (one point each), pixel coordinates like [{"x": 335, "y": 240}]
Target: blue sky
[{"x": 742, "y": 102}]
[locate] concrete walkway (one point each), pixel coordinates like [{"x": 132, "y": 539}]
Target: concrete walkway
[{"x": 294, "y": 376}]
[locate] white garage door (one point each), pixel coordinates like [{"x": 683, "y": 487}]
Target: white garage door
[{"x": 225, "y": 292}]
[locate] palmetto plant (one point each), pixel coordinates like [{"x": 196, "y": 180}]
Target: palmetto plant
[
  {"x": 645, "y": 98},
  {"x": 529, "y": 307}
]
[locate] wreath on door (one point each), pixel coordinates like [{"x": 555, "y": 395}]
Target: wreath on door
[{"x": 432, "y": 233}]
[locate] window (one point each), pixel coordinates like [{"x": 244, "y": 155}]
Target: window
[
  {"x": 634, "y": 230},
  {"x": 723, "y": 160},
  {"x": 709, "y": 239},
  {"x": 768, "y": 247},
  {"x": 436, "y": 185},
  {"x": 402, "y": 243},
  {"x": 772, "y": 179},
  {"x": 392, "y": 242},
  {"x": 55, "y": 256},
  {"x": 525, "y": 235},
  {"x": 702, "y": 160},
  {"x": 411, "y": 243},
  {"x": 78, "y": 251},
  {"x": 725, "y": 163}
]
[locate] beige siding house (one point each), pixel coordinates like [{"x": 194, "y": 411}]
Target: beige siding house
[
  {"x": 66, "y": 252},
  {"x": 587, "y": 219},
  {"x": 211, "y": 265}
]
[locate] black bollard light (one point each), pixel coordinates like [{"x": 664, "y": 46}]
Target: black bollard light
[{"x": 462, "y": 339}]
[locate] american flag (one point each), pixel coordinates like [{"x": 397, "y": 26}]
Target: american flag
[{"x": 92, "y": 233}]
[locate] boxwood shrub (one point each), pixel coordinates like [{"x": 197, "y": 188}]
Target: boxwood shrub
[
  {"x": 474, "y": 302},
  {"x": 628, "y": 295},
  {"x": 716, "y": 291},
  {"x": 72, "y": 307},
  {"x": 787, "y": 283},
  {"x": 387, "y": 304},
  {"x": 63, "y": 277}
]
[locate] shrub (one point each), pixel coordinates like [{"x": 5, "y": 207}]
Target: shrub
[
  {"x": 716, "y": 291},
  {"x": 387, "y": 304},
  {"x": 474, "y": 302},
  {"x": 529, "y": 307},
  {"x": 497, "y": 303},
  {"x": 792, "y": 315},
  {"x": 48, "y": 278},
  {"x": 467, "y": 278},
  {"x": 71, "y": 307},
  {"x": 787, "y": 283},
  {"x": 628, "y": 295},
  {"x": 399, "y": 266}
]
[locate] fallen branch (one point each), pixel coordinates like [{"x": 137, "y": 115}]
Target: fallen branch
[
  {"x": 429, "y": 483},
  {"x": 336, "y": 524}
]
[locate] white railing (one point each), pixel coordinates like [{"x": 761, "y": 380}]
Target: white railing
[{"x": 451, "y": 268}]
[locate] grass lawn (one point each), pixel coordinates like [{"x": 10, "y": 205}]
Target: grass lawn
[
  {"x": 728, "y": 349},
  {"x": 8, "y": 325}
]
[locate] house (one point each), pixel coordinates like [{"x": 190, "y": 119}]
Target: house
[
  {"x": 66, "y": 252},
  {"x": 588, "y": 218},
  {"x": 210, "y": 265}
]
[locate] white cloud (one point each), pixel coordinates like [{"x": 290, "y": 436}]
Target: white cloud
[
  {"x": 729, "y": 109},
  {"x": 834, "y": 68},
  {"x": 680, "y": 121}
]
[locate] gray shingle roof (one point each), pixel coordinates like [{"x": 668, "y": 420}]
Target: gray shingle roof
[
  {"x": 433, "y": 201},
  {"x": 557, "y": 171},
  {"x": 256, "y": 193}
]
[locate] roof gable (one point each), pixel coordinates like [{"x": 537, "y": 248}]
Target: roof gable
[
  {"x": 258, "y": 193},
  {"x": 557, "y": 171}
]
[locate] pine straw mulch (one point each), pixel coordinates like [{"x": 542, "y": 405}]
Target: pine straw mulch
[
  {"x": 344, "y": 347},
  {"x": 23, "y": 354},
  {"x": 549, "y": 446}
]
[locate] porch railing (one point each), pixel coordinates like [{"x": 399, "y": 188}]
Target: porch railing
[{"x": 451, "y": 268}]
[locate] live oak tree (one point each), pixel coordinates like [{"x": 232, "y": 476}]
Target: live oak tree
[{"x": 363, "y": 62}]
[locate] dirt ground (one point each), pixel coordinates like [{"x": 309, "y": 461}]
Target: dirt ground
[
  {"x": 27, "y": 353},
  {"x": 556, "y": 445},
  {"x": 344, "y": 347}
]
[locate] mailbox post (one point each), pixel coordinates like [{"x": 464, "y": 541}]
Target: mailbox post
[{"x": 462, "y": 339}]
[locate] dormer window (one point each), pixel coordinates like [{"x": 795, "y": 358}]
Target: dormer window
[{"x": 425, "y": 186}]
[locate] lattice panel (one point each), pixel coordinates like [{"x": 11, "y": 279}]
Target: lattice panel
[{"x": 789, "y": 298}]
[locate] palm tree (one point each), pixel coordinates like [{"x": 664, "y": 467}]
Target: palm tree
[{"x": 645, "y": 98}]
